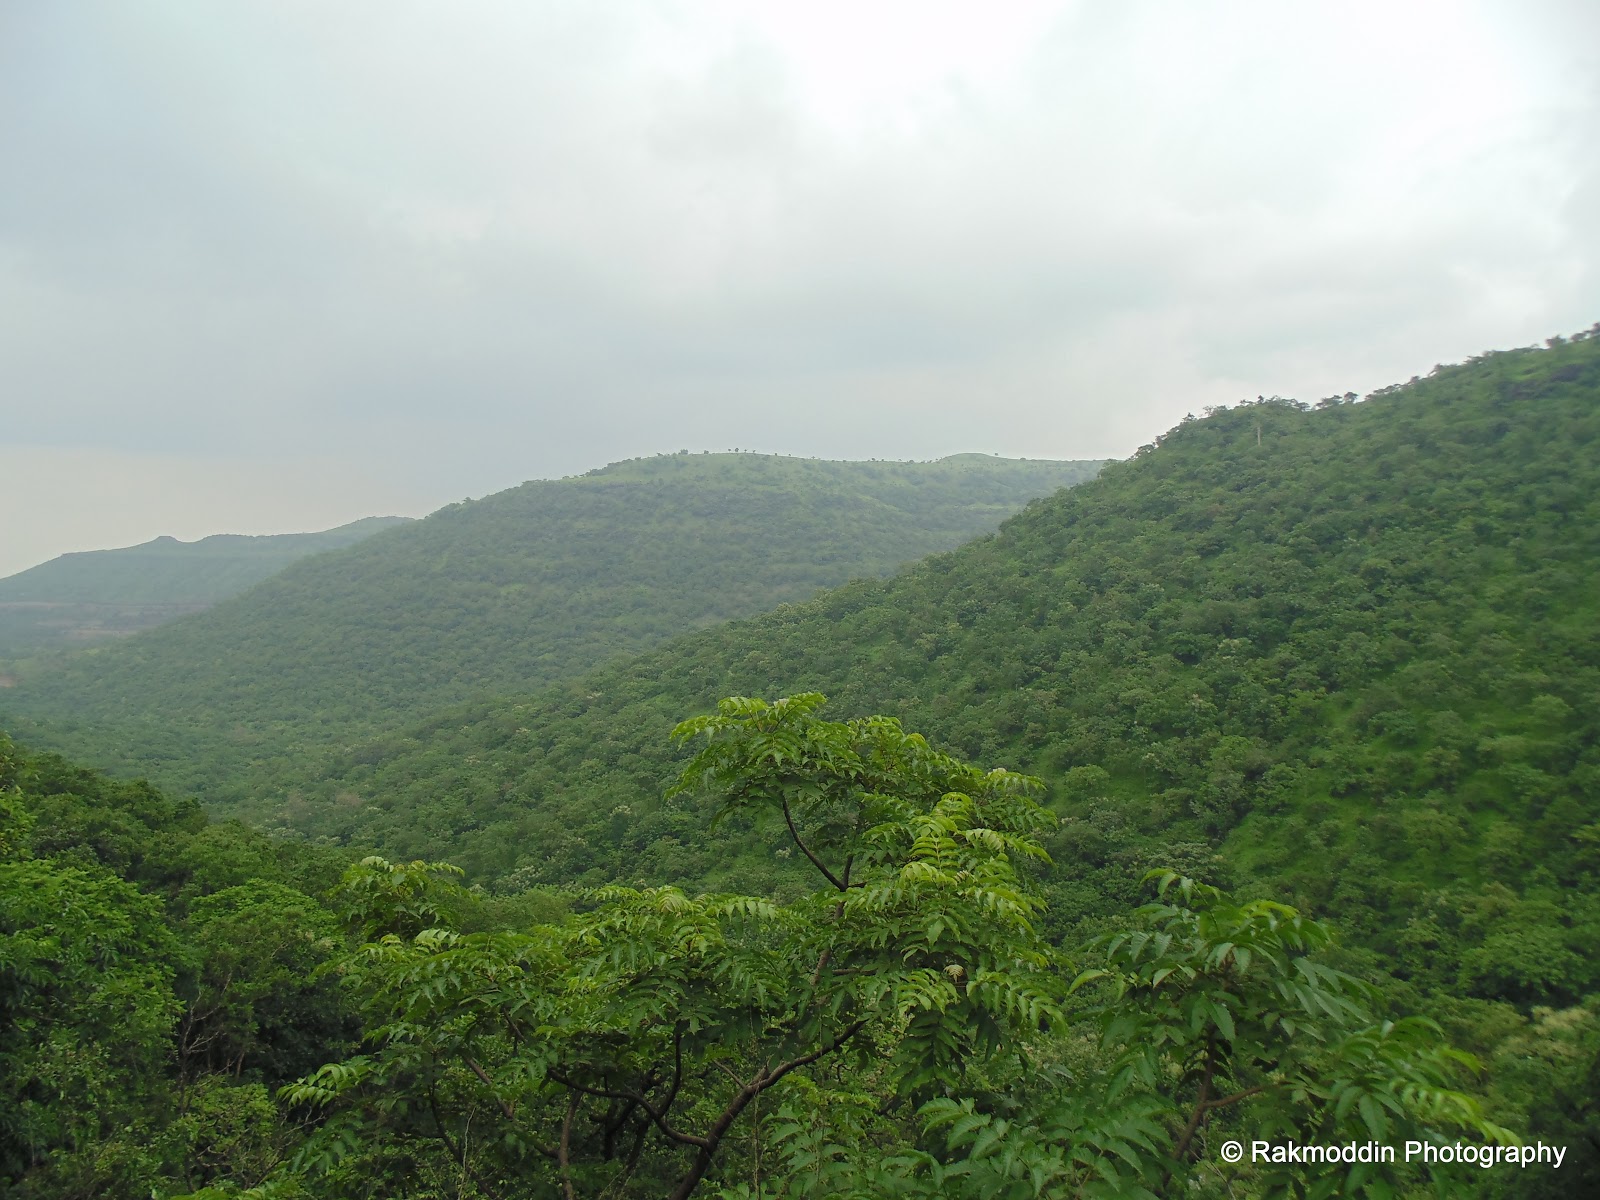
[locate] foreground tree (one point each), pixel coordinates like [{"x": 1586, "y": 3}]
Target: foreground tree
[
  {"x": 901, "y": 1030},
  {"x": 1215, "y": 1013},
  {"x": 143, "y": 1022},
  {"x": 616, "y": 1054}
]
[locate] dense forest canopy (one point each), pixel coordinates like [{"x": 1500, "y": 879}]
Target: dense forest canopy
[
  {"x": 902, "y": 1030},
  {"x": 98, "y": 594},
  {"x": 1307, "y": 846},
  {"x": 1343, "y": 655},
  {"x": 1284, "y": 621},
  {"x": 503, "y": 594}
]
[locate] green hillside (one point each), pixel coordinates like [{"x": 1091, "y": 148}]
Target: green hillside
[
  {"x": 98, "y": 594},
  {"x": 1351, "y": 652},
  {"x": 196, "y": 1010},
  {"x": 503, "y": 594},
  {"x": 1343, "y": 656}
]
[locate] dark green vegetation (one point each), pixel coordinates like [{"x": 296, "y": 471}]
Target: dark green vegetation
[
  {"x": 107, "y": 593},
  {"x": 901, "y": 1030},
  {"x": 515, "y": 591},
  {"x": 1344, "y": 658},
  {"x": 1347, "y": 656},
  {"x": 157, "y": 981},
  {"x": 1371, "y": 628}
]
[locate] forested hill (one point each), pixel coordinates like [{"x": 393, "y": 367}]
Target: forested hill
[
  {"x": 503, "y": 594},
  {"x": 1345, "y": 656},
  {"x": 106, "y": 593},
  {"x": 1353, "y": 650}
]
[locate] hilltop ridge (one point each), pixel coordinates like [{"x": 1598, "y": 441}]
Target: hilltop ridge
[
  {"x": 511, "y": 591},
  {"x": 92, "y": 595},
  {"x": 1346, "y": 651}
]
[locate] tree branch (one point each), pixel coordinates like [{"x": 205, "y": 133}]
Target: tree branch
[
  {"x": 1201, "y": 1107},
  {"x": 616, "y": 1185},
  {"x": 838, "y": 911},
  {"x": 687, "y": 1139},
  {"x": 806, "y": 850},
  {"x": 506, "y": 1107},
  {"x": 457, "y": 1153},
  {"x": 613, "y": 1123},
  {"x": 764, "y": 1079},
  {"x": 677, "y": 1068},
  {"x": 1224, "y": 1101},
  {"x": 565, "y": 1160}
]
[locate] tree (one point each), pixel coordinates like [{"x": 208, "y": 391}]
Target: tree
[
  {"x": 905, "y": 1003},
  {"x": 1216, "y": 1011},
  {"x": 257, "y": 1001},
  {"x": 621, "y": 1050},
  {"x": 86, "y": 1012}
]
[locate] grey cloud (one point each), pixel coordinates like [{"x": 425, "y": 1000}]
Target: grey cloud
[{"x": 467, "y": 245}]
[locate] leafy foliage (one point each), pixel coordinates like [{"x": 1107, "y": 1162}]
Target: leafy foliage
[
  {"x": 1215, "y": 1017},
  {"x": 146, "y": 1006},
  {"x": 86, "y": 983},
  {"x": 1342, "y": 655},
  {"x": 619, "y": 1053},
  {"x": 1338, "y": 659},
  {"x": 625, "y": 1045},
  {"x": 1357, "y": 656}
]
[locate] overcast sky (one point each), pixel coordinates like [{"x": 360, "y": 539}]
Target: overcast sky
[{"x": 274, "y": 266}]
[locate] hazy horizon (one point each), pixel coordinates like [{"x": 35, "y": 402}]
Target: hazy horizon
[
  {"x": 274, "y": 267},
  {"x": 268, "y": 531}
]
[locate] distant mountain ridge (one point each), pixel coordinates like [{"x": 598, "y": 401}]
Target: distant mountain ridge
[
  {"x": 93, "y": 595},
  {"x": 514, "y": 591}
]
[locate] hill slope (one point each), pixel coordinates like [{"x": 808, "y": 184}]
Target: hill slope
[
  {"x": 504, "y": 594},
  {"x": 99, "y": 594},
  {"x": 1350, "y": 653}
]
